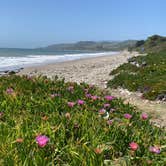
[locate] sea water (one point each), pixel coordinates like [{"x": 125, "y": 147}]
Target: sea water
[{"x": 13, "y": 59}]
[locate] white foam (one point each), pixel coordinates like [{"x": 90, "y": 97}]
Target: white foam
[{"x": 10, "y": 63}]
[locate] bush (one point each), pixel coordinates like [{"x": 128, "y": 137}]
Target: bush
[{"x": 148, "y": 76}]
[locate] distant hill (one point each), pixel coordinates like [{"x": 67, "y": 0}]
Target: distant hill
[
  {"x": 154, "y": 43},
  {"x": 94, "y": 46}
]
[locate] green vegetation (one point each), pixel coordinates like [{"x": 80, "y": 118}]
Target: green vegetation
[
  {"x": 93, "y": 46},
  {"x": 143, "y": 73},
  {"x": 153, "y": 44},
  {"x": 44, "y": 122}
]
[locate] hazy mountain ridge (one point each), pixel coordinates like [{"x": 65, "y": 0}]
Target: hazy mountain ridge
[{"x": 93, "y": 46}]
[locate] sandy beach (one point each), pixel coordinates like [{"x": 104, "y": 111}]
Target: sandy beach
[{"x": 90, "y": 70}]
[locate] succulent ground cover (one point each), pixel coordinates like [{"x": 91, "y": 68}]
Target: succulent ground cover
[
  {"x": 50, "y": 122},
  {"x": 146, "y": 74}
]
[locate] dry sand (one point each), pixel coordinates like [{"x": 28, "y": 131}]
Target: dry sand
[{"x": 90, "y": 70}]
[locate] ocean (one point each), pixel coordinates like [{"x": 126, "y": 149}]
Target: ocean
[{"x": 13, "y": 59}]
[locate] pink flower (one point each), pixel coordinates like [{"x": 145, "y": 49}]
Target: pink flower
[
  {"x": 42, "y": 140},
  {"x": 94, "y": 97},
  {"x": 19, "y": 140},
  {"x": 70, "y": 88},
  {"x": 86, "y": 90},
  {"x": 1, "y": 113},
  {"x": 127, "y": 116},
  {"x": 102, "y": 111},
  {"x": 133, "y": 146},
  {"x": 144, "y": 116},
  {"x": 9, "y": 91},
  {"x": 154, "y": 149},
  {"x": 112, "y": 110},
  {"x": 71, "y": 104},
  {"x": 109, "y": 98},
  {"x": 80, "y": 102},
  {"x": 109, "y": 122},
  {"x": 54, "y": 95},
  {"x": 88, "y": 95},
  {"x": 106, "y": 105}
]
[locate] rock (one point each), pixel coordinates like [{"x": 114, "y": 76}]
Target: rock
[
  {"x": 11, "y": 72},
  {"x": 143, "y": 64},
  {"x": 161, "y": 97}
]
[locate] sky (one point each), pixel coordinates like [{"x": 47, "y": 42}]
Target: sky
[{"x": 37, "y": 23}]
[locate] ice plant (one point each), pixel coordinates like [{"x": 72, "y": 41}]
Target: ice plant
[
  {"x": 54, "y": 95},
  {"x": 144, "y": 116},
  {"x": 106, "y": 105},
  {"x": 109, "y": 98},
  {"x": 70, "y": 88},
  {"x": 109, "y": 122},
  {"x": 19, "y": 140},
  {"x": 9, "y": 90},
  {"x": 102, "y": 111},
  {"x": 94, "y": 97},
  {"x": 154, "y": 149},
  {"x": 71, "y": 104},
  {"x": 80, "y": 102},
  {"x": 112, "y": 110},
  {"x": 86, "y": 90},
  {"x": 133, "y": 146},
  {"x": 67, "y": 115},
  {"x": 42, "y": 140},
  {"x": 128, "y": 116},
  {"x": 88, "y": 95},
  {"x": 1, "y": 113},
  {"x": 98, "y": 150}
]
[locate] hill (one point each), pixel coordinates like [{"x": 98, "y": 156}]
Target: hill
[
  {"x": 93, "y": 46},
  {"x": 154, "y": 43},
  {"x": 146, "y": 74}
]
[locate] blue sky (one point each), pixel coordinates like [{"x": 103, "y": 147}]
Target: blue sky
[{"x": 34, "y": 23}]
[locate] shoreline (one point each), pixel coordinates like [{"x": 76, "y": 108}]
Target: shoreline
[
  {"x": 14, "y": 63},
  {"x": 92, "y": 70}
]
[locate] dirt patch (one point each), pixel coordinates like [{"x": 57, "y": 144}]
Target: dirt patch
[{"x": 156, "y": 109}]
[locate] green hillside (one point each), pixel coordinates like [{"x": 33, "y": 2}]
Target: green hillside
[
  {"x": 146, "y": 74},
  {"x": 154, "y": 43},
  {"x": 94, "y": 46}
]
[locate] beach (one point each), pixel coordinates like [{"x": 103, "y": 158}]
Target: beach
[{"x": 94, "y": 70}]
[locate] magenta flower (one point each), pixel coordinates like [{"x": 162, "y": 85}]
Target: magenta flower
[
  {"x": 94, "y": 97},
  {"x": 86, "y": 90},
  {"x": 109, "y": 98},
  {"x": 70, "y": 88},
  {"x": 127, "y": 116},
  {"x": 88, "y": 95},
  {"x": 133, "y": 146},
  {"x": 154, "y": 149},
  {"x": 54, "y": 95},
  {"x": 80, "y": 102},
  {"x": 144, "y": 116},
  {"x": 9, "y": 91},
  {"x": 42, "y": 140},
  {"x": 109, "y": 122},
  {"x": 102, "y": 111},
  {"x": 112, "y": 110},
  {"x": 106, "y": 105},
  {"x": 1, "y": 113},
  {"x": 71, "y": 104}
]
